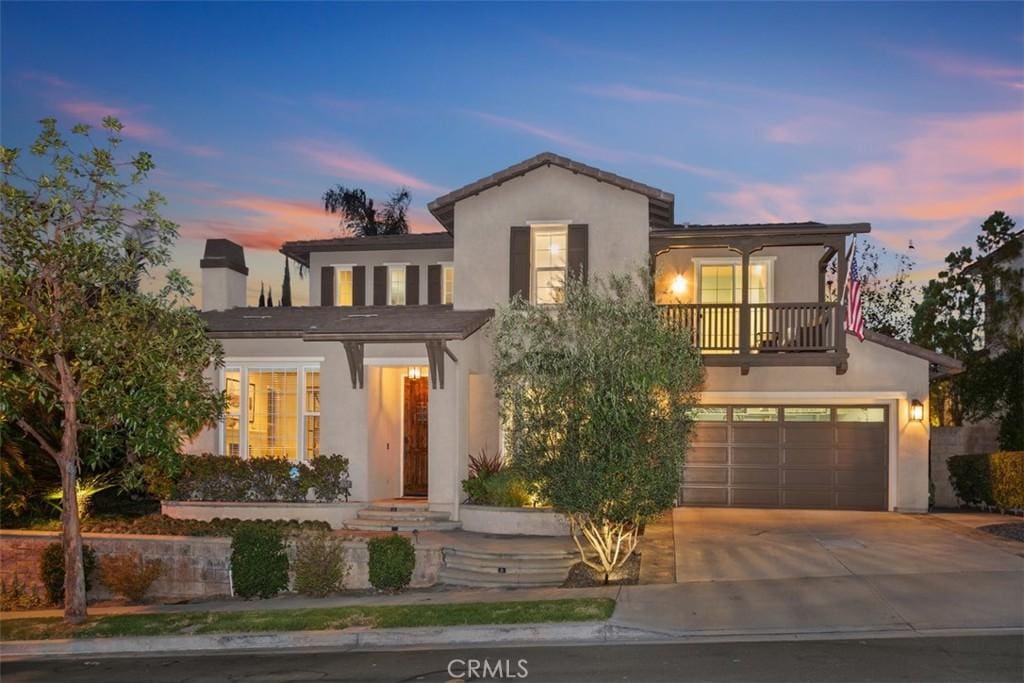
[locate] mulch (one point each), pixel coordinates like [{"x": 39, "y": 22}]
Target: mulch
[
  {"x": 1011, "y": 530},
  {"x": 582, "y": 576}
]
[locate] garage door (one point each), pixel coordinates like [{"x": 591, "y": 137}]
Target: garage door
[{"x": 788, "y": 456}]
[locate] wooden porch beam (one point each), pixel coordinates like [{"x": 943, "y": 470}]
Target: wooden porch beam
[
  {"x": 436, "y": 352},
  {"x": 354, "y": 354}
]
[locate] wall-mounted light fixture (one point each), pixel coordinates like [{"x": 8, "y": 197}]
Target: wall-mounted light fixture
[
  {"x": 413, "y": 372},
  {"x": 678, "y": 286},
  {"x": 916, "y": 411}
]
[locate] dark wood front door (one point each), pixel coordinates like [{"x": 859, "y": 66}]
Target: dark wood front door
[{"x": 414, "y": 478}]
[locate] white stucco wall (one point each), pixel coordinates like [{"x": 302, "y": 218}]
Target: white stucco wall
[
  {"x": 222, "y": 288},
  {"x": 414, "y": 257},
  {"x": 617, "y": 236}
]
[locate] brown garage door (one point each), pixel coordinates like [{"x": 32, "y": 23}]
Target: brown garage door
[{"x": 788, "y": 456}]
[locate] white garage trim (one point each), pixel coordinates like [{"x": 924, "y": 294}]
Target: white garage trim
[{"x": 895, "y": 400}]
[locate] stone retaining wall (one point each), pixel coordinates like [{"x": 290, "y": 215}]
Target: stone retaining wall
[{"x": 194, "y": 567}]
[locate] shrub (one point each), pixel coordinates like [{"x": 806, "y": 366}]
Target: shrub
[
  {"x": 995, "y": 479},
  {"x": 16, "y": 596},
  {"x": 51, "y": 570},
  {"x": 229, "y": 478},
  {"x": 503, "y": 489},
  {"x": 319, "y": 566},
  {"x": 392, "y": 560},
  {"x": 259, "y": 564},
  {"x": 161, "y": 525},
  {"x": 484, "y": 465},
  {"x": 129, "y": 575}
]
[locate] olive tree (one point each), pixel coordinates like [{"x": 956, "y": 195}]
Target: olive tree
[
  {"x": 596, "y": 395},
  {"x": 100, "y": 364}
]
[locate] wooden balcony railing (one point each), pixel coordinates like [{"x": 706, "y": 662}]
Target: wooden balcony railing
[{"x": 759, "y": 328}]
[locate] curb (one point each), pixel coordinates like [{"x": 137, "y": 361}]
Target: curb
[{"x": 365, "y": 639}]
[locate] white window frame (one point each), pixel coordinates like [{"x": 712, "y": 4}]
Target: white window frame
[
  {"x": 737, "y": 262},
  {"x": 243, "y": 365},
  {"x": 338, "y": 268},
  {"x": 394, "y": 267},
  {"x": 447, "y": 296},
  {"x": 534, "y": 269}
]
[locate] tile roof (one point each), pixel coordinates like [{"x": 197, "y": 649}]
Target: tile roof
[{"x": 301, "y": 249}]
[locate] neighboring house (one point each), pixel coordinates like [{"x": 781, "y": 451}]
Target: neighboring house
[
  {"x": 389, "y": 363},
  {"x": 1009, "y": 260}
]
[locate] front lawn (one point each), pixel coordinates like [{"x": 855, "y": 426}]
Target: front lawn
[{"x": 316, "y": 619}]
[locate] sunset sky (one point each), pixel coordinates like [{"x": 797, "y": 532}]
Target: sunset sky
[{"x": 909, "y": 116}]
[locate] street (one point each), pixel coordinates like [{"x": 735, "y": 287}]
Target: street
[{"x": 975, "y": 658}]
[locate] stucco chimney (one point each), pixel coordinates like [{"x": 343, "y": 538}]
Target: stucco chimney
[{"x": 224, "y": 275}]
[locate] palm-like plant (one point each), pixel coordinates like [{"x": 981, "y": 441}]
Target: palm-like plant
[{"x": 361, "y": 218}]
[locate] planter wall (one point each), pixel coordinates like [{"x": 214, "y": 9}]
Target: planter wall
[
  {"x": 513, "y": 521},
  {"x": 194, "y": 567},
  {"x": 335, "y": 514}
]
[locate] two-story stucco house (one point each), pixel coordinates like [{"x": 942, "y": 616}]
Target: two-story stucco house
[{"x": 388, "y": 365}]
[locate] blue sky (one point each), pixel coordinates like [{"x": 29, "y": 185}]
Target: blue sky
[{"x": 910, "y": 116}]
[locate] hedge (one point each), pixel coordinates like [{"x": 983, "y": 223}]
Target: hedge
[
  {"x": 264, "y": 480},
  {"x": 989, "y": 479}
]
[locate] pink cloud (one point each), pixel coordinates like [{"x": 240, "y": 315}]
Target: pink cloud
[
  {"x": 354, "y": 165},
  {"x": 953, "y": 64}
]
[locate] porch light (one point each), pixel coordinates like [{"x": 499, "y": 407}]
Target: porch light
[
  {"x": 916, "y": 411},
  {"x": 413, "y": 372},
  {"x": 678, "y": 286}
]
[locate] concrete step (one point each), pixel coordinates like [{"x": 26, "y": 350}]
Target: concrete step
[
  {"x": 408, "y": 515},
  {"x": 401, "y": 525},
  {"x": 398, "y": 506},
  {"x": 462, "y": 577},
  {"x": 517, "y": 568},
  {"x": 569, "y": 556}
]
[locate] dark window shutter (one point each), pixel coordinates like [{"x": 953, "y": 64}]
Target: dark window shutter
[
  {"x": 577, "y": 256},
  {"x": 412, "y": 285},
  {"x": 519, "y": 262},
  {"x": 434, "y": 285},
  {"x": 358, "y": 285},
  {"x": 327, "y": 286},
  {"x": 380, "y": 285}
]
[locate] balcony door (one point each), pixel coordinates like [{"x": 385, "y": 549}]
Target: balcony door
[{"x": 720, "y": 291}]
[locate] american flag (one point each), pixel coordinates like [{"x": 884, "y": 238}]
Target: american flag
[{"x": 854, "y": 314}]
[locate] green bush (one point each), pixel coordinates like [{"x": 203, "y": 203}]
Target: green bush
[
  {"x": 51, "y": 570},
  {"x": 228, "y": 478},
  {"x": 502, "y": 488},
  {"x": 994, "y": 479},
  {"x": 319, "y": 566},
  {"x": 15, "y": 596},
  {"x": 392, "y": 560},
  {"x": 259, "y": 564}
]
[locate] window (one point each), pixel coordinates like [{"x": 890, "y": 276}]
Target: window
[
  {"x": 720, "y": 280},
  {"x": 396, "y": 285},
  {"x": 807, "y": 414},
  {"x": 343, "y": 290},
  {"x": 755, "y": 414},
  {"x": 273, "y": 412},
  {"x": 550, "y": 243},
  {"x": 447, "y": 284},
  {"x": 311, "y": 413},
  {"x": 711, "y": 414},
  {"x": 860, "y": 414}
]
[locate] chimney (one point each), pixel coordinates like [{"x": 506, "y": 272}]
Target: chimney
[{"x": 224, "y": 275}]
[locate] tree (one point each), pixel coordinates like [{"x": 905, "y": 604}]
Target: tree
[
  {"x": 262, "y": 301},
  {"x": 93, "y": 369},
  {"x": 270, "y": 297},
  {"x": 886, "y": 293},
  {"x": 286, "y": 286},
  {"x": 596, "y": 395},
  {"x": 972, "y": 311},
  {"x": 361, "y": 218}
]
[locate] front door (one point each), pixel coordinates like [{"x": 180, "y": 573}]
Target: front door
[{"x": 414, "y": 467}]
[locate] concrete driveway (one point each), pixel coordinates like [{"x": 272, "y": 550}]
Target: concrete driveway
[{"x": 795, "y": 571}]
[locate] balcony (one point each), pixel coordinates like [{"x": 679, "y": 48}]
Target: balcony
[{"x": 776, "y": 334}]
